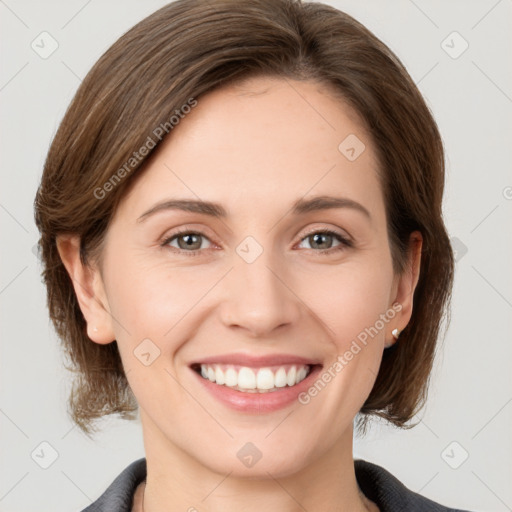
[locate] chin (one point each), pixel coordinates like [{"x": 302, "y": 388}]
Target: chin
[{"x": 255, "y": 461}]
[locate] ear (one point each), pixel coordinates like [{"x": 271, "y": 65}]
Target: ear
[
  {"x": 89, "y": 290},
  {"x": 406, "y": 284}
]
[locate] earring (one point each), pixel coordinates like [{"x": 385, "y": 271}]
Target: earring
[
  {"x": 95, "y": 329},
  {"x": 395, "y": 333}
]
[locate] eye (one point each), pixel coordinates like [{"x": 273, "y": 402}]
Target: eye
[
  {"x": 188, "y": 242},
  {"x": 322, "y": 240},
  {"x": 191, "y": 242}
]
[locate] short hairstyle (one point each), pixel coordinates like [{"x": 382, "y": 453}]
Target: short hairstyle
[{"x": 180, "y": 53}]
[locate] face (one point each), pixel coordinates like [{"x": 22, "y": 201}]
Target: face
[{"x": 268, "y": 287}]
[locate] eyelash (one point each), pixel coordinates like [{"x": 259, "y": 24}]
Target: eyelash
[{"x": 345, "y": 242}]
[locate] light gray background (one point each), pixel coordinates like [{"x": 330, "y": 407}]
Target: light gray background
[{"x": 471, "y": 394}]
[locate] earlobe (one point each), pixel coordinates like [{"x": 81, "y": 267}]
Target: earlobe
[
  {"x": 407, "y": 283},
  {"x": 89, "y": 290}
]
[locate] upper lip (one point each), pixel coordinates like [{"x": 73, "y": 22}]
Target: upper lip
[{"x": 257, "y": 361}]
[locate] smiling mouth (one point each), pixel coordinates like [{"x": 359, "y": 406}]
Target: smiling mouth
[{"x": 266, "y": 379}]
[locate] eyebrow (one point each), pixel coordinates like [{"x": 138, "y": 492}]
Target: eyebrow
[{"x": 301, "y": 206}]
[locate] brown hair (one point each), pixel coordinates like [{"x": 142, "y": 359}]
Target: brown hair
[{"x": 183, "y": 51}]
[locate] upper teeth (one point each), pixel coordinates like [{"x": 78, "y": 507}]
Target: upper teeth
[{"x": 263, "y": 379}]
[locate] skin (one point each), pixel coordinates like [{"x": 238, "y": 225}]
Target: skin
[{"x": 254, "y": 148}]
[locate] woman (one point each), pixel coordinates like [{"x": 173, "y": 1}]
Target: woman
[{"x": 241, "y": 229}]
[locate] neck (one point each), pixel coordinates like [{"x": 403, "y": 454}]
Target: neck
[{"x": 177, "y": 481}]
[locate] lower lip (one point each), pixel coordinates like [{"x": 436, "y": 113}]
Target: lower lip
[{"x": 258, "y": 402}]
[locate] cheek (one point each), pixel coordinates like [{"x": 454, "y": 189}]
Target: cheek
[
  {"x": 153, "y": 308},
  {"x": 349, "y": 300},
  {"x": 151, "y": 300},
  {"x": 355, "y": 311}
]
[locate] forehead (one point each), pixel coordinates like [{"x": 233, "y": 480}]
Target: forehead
[{"x": 264, "y": 140}]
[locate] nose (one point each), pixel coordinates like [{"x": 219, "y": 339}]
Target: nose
[{"x": 259, "y": 298}]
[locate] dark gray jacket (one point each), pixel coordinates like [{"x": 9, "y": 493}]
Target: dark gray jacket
[{"x": 377, "y": 484}]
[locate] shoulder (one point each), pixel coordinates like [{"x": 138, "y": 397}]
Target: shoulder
[
  {"x": 119, "y": 495},
  {"x": 380, "y": 486}
]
